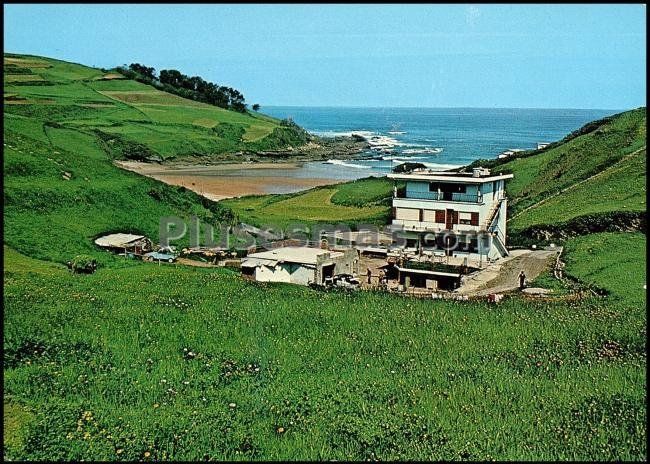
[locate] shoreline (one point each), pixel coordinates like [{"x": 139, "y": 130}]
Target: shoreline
[
  {"x": 228, "y": 180},
  {"x": 231, "y": 175}
]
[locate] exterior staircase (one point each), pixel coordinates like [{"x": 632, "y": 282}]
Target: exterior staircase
[
  {"x": 490, "y": 217},
  {"x": 492, "y": 226}
]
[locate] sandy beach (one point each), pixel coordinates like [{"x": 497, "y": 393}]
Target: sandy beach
[{"x": 220, "y": 181}]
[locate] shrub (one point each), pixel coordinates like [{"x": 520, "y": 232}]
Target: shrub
[{"x": 83, "y": 264}]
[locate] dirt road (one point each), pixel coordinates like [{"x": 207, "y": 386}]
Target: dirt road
[{"x": 502, "y": 276}]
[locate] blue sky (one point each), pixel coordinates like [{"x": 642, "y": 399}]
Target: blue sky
[{"x": 527, "y": 56}]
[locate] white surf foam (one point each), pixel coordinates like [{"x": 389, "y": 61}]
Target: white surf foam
[
  {"x": 348, "y": 165},
  {"x": 403, "y": 158},
  {"x": 363, "y": 133},
  {"x": 430, "y": 151}
]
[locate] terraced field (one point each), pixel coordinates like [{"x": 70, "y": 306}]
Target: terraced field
[{"x": 91, "y": 100}]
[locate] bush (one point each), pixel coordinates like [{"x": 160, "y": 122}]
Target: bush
[
  {"x": 229, "y": 131},
  {"x": 83, "y": 264}
]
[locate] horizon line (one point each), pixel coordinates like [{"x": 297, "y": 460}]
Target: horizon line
[{"x": 450, "y": 107}]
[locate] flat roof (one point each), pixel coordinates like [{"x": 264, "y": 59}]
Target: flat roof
[
  {"x": 299, "y": 255},
  {"x": 371, "y": 249},
  {"x": 424, "y": 271},
  {"x": 457, "y": 177},
  {"x": 117, "y": 240}
]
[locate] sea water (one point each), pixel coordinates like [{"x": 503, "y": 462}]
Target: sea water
[{"x": 440, "y": 138}]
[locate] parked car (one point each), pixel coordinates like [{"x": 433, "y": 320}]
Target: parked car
[
  {"x": 345, "y": 281},
  {"x": 158, "y": 256}
]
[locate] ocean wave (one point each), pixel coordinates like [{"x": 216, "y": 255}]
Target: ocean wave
[
  {"x": 378, "y": 142},
  {"x": 403, "y": 158},
  {"x": 362, "y": 133},
  {"x": 396, "y": 132},
  {"x": 348, "y": 165},
  {"x": 431, "y": 151}
]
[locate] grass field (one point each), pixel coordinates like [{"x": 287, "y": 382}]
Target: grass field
[
  {"x": 609, "y": 261},
  {"x": 85, "y": 99},
  {"x": 200, "y": 364},
  {"x": 361, "y": 201}
]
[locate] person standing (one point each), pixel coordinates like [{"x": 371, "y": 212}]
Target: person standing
[
  {"x": 369, "y": 274},
  {"x": 522, "y": 280}
]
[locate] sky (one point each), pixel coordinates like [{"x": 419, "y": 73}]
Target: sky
[{"x": 508, "y": 56}]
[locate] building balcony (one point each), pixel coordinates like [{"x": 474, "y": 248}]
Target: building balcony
[{"x": 441, "y": 196}]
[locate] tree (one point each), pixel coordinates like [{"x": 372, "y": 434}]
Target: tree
[
  {"x": 194, "y": 88},
  {"x": 256, "y": 106},
  {"x": 143, "y": 70},
  {"x": 171, "y": 77}
]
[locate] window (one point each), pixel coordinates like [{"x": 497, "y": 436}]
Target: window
[
  {"x": 407, "y": 214},
  {"x": 429, "y": 215},
  {"x": 465, "y": 218}
]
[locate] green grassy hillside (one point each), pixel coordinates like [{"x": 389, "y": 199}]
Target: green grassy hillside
[
  {"x": 611, "y": 261},
  {"x": 61, "y": 191},
  {"x": 147, "y": 362},
  {"x": 620, "y": 187},
  {"x": 136, "y": 119},
  {"x": 199, "y": 364},
  {"x": 540, "y": 175},
  {"x": 599, "y": 169}
]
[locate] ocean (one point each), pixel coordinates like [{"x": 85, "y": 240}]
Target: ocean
[{"x": 437, "y": 137}]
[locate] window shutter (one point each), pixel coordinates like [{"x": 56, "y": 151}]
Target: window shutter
[
  {"x": 455, "y": 217},
  {"x": 440, "y": 216},
  {"x": 474, "y": 219}
]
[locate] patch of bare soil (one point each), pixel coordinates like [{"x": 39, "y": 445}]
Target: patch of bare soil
[{"x": 533, "y": 264}]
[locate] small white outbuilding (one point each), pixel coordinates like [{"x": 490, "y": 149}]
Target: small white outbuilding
[
  {"x": 299, "y": 265},
  {"x": 122, "y": 242}
]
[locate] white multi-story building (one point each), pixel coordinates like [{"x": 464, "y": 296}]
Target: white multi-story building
[{"x": 462, "y": 213}]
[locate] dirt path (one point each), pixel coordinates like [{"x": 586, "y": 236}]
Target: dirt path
[
  {"x": 193, "y": 262},
  {"x": 502, "y": 276}
]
